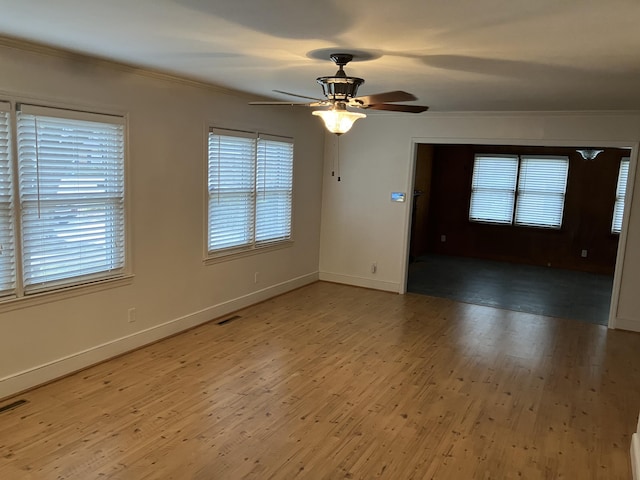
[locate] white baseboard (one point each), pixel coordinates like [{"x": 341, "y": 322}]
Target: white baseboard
[
  {"x": 40, "y": 374},
  {"x": 627, "y": 324},
  {"x": 360, "y": 282}
]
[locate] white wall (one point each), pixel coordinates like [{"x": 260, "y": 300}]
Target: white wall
[
  {"x": 172, "y": 289},
  {"x": 360, "y": 225}
]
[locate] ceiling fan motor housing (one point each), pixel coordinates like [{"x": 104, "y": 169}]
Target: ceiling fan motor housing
[{"x": 340, "y": 87}]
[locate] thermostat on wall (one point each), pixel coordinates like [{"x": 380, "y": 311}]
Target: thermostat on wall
[{"x": 397, "y": 196}]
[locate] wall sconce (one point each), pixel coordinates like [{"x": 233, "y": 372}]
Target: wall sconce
[
  {"x": 338, "y": 119},
  {"x": 589, "y": 153}
]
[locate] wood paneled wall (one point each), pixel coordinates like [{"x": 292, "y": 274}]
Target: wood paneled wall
[{"x": 589, "y": 201}]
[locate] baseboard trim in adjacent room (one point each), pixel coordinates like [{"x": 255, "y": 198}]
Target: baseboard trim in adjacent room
[
  {"x": 360, "y": 282},
  {"x": 27, "y": 379}
]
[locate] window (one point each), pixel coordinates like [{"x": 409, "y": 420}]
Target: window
[
  {"x": 250, "y": 182},
  {"x": 70, "y": 207},
  {"x": 7, "y": 251},
  {"x": 521, "y": 190},
  {"x": 541, "y": 187},
  {"x": 493, "y": 188},
  {"x": 621, "y": 189}
]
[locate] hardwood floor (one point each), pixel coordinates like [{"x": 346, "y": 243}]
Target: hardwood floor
[{"x": 331, "y": 382}]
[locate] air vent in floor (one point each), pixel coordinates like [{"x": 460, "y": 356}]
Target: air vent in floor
[
  {"x": 12, "y": 405},
  {"x": 227, "y": 320}
]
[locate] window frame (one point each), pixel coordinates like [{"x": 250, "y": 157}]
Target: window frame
[
  {"x": 78, "y": 284},
  {"x": 253, "y": 246},
  {"x": 514, "y": 210}
]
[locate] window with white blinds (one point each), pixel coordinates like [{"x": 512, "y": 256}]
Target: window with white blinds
[
  {"x": 493, "y": 188},
  {"x": 231, "y": 191},
  {"x": 250, "y": 182},
  {"x": 71, "y": 184},
  {"x": 542, "y": 184},
  {"x": 274, "y": 188},
  {"x": 7, "y": 250},
  {"x": 527, "y": 190},
  {"x": 621, "y": 189}
]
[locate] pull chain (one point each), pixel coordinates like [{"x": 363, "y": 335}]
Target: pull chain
[{"x": 338, "y": 150}]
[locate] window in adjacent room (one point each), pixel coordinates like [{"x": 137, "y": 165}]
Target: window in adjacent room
[
  {"x": 520, "y": 190},
  {"x": 493, "y": 188},
  {"x": 618, "y": 209},
  {"x": 542, "y": 184},
  {"x": 71, "y": 199},
  {"x": 250, "y": 186}
]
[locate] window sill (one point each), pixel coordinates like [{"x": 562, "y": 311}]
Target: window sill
[
  {"x": 235, "y": 254},
  {"x": 14, "y": 303}
]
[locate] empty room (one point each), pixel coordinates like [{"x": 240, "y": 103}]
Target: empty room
[{"x": 199, "y": 279}]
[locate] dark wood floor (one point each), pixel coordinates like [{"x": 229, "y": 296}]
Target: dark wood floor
[
  {"x": 336, "y": 382},
  {"x": 523, "y": 288}
]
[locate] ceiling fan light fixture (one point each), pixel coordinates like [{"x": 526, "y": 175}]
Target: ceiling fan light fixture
[
  {"x": 589, "y": 153},
  {"x": 338, "y": 119}
]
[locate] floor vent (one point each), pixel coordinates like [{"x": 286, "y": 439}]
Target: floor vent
[
  {"x": 11, "y": 406},
  {"x": 227, "y": 320}
]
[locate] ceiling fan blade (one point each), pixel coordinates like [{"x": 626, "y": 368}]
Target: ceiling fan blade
[
  {"x": 292, "y": 104},
  {"x": 296, "y": 95},
  {"x": 397, "y": 108},
  {"x": 395, "y": 96}
]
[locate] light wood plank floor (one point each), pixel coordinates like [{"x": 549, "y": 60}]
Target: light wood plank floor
[{"x": 333, "y": 382}]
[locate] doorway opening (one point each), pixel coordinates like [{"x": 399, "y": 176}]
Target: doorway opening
[{"x": 562, "y": 271}]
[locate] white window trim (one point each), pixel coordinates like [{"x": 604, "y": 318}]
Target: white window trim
[
  {"x": 87, "y": 285},
  {"x": 231, "y": 253}
]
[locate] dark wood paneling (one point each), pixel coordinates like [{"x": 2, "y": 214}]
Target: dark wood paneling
[
  {"x": 421, "y": 201},
  {"x": 586, "y": 225}
]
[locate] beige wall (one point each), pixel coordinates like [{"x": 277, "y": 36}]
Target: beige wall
[
  {"x": 172, "y": 289},
  {"x": 360, "y": 225}
]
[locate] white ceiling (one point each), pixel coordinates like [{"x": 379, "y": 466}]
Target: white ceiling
[{"x": 457, "y": 55}]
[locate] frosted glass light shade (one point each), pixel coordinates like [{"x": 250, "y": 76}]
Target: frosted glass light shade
[
  {"x": 589, "y": 153},
  {"x": 338, "y": 121}
]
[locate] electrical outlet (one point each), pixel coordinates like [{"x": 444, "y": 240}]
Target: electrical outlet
[
  {"x": 374, "y": 267},
  {"x": 583, "y": 254},
  {"x": 132, "y": 315},
  {"x": 443, "y": 238}
]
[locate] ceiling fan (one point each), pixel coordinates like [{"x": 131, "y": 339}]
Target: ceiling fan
[{"x": 340, "y": 91}]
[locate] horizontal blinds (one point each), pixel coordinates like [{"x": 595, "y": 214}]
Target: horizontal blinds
[
  {"x": 231, "y": 179},
  {"x": 493, "y": 188},
  {"x": 59, "y": 113},
  {"x": 621, "y": 189},
  {"x": 7, "y": 250},
  {"x": 72, "y": 196},
  {"x": 274, "y": 185},
  {"x": 541, "y": 189}
]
